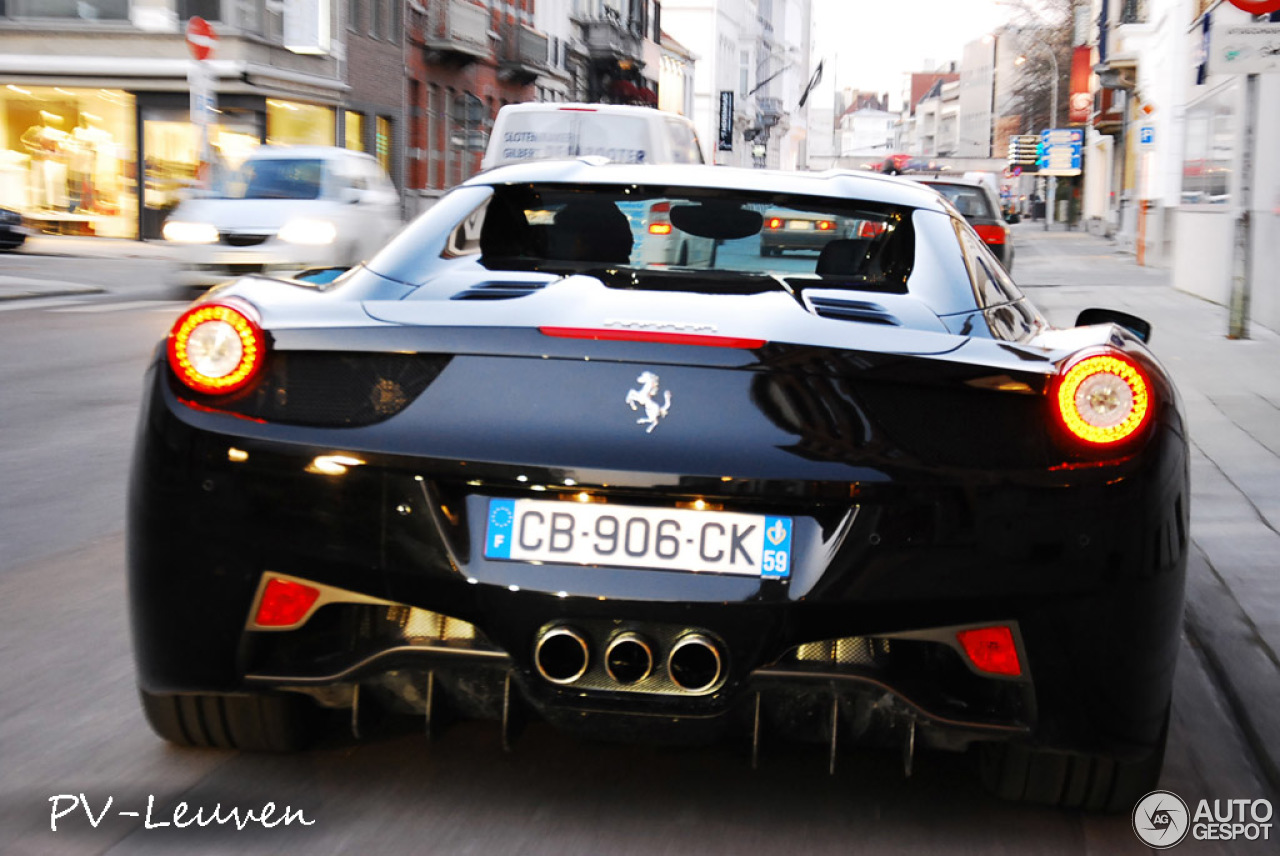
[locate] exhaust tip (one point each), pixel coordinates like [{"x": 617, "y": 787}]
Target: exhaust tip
[
  {"x": 629, "y": 658},
  {"x": 561, "y": 655},
  {"x": 694, "y": 664}
]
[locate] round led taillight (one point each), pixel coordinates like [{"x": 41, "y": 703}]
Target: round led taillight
[
  {"x": 215, "y": 348},
  {"x": 1104, "y": 399}
]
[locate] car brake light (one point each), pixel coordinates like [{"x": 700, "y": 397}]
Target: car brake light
[
  {"x": 773, "y": 223},
  {"x": 659, "y": 228},
  {"x": 215, "y": 348},
  {"x": 991, "y": 650},
  {"x": 1103, "y": 398},
  {"x": 825, "y": 225},
  {"x": 870, "y": 229},
  {"x": 611, "y": 335},
  {"x": 990, "y": 234},
  {"x": 285, "y": 603}
]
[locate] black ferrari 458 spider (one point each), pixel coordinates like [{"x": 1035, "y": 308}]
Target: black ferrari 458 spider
[{"x": 509, "y": 469}]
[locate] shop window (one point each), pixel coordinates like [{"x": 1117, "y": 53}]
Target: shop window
[
  {"x": 1209, "y": 155},
  {"x": 85, "y": 10},
  {"x": 171, "y": 144},
  {"x": 67, "y": 159},
  {"x": 354, "y": 133},
  {"x": 384, "y": 143},
  {"x": 297, "y": 124}
]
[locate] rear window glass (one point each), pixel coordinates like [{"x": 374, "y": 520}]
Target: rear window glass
[
  {"x": 698, "y": 239},
  {"x": 969, "y": 201},
  {"x": 274, "y": 178}
]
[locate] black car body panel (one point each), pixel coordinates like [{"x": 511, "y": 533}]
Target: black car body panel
[{"x": 926, "y": 483}]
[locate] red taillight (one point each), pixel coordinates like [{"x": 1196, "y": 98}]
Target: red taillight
[
  {"x": 773, "y": 223},
  {"x": 659, "y": 228},
  {"x": 1103, "y": 398},
  {"x": 215, "y": 348},
  {"x": 284, "y": 603},
  {"x": 991, "y": 234},
  {"x": 660, "y": 208},
  {"x": 652, "y": 336},
  {"x": 825, "y": 225},
  {"x": 991, "y": 650},
  {"x": 870, "y": 229}
]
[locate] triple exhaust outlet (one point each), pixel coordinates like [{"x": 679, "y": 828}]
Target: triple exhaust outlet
[{"x": 563, "y": 655}]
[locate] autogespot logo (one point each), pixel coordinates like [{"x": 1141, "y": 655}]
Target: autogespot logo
[{"x": 1160, "y": 819}]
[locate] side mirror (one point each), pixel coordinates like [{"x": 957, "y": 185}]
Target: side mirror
[
  {"x": 1132, "y": 323},
  {"x": 351, "y": 195}
]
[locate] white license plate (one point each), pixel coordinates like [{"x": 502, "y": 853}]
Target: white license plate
[
  {"x": 799, "y": 224},
  {"x": 628, "y": 536}
]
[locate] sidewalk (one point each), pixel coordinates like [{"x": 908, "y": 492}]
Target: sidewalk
[
  {"x": 17, "y": 287},
  {"x": 1231, "y": 394}
]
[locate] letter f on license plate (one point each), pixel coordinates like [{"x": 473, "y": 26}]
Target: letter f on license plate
[{"x": 628, "y": 536}]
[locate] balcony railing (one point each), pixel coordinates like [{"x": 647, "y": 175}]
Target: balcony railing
[
  {"x": 609, "y": 38},
  {"x": 523, "y": 55},
  {"x": 457, "y": 28}
]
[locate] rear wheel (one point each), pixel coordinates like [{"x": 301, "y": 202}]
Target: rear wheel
[
  {"x": 1091, "y": 782},
  {"x": 254, "y": 722}
]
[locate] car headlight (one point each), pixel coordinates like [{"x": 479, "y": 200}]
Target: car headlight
[
  {"x": 181, "y": 232},
  {"x": 312, "y": 233}
]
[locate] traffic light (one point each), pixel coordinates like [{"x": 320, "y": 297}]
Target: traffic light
[{"x": 1024, "y": 151}]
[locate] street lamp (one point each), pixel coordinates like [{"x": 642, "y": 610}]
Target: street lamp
[{"x": 1051, "y": 184}]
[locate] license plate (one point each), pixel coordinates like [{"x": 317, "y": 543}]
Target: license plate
[
  {"x": 662, "y": 539},
  {"x": 799, "y": 224}
]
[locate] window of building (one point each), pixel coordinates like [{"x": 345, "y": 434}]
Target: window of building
[
  {"x": 434, "y": 133},
  {"x": 393, "y": 20},
  {"x": 210, "y": 10},
  {"x": 68, "y": 157},
  {"x": 296, "y": 124},
  {"x": 1209, "y": 157},
  {"x": 86, "y": 10},
  {"x": 376, "y": 25},
  {"x": 353, "y": 133},
  {"x": 353, "y": 14},
  {"x": 383, "y": 143}
]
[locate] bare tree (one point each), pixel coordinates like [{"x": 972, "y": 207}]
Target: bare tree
[{"x": 1041, "y": 27}]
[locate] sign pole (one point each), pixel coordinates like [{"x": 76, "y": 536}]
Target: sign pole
[
  {"x": 201, "y": 41},
  {"x": 1241, "y": 281}
]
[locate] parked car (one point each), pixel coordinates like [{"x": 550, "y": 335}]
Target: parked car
[
  {"x": 286, "y": 208},
  {"x": 12, "y": 232},
  {"x": 508, "y": 465},
  {"x": 618, "y": 132},
  {"x": 980, "y": 206}
]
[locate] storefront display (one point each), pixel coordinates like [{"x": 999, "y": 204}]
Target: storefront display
[{"x": 68, "y": 156}]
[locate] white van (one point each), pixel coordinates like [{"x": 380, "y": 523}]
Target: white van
[
  {"x": 286, "y": 208},
  {"x": 623, "y": 134}
]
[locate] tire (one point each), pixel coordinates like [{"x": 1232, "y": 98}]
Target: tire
[
  {"x": 253, "y": 722},
  {"x": 1022, "y": 773}
]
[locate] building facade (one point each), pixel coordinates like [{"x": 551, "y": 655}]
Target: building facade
[
  {"x": 754, "y": 62},
  {"x": 464, "y": 60}
]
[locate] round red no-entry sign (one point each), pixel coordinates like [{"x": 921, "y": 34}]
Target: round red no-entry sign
[
  {"x": 201, "y": 39},
  {"x": 1257, "y": 7}
]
